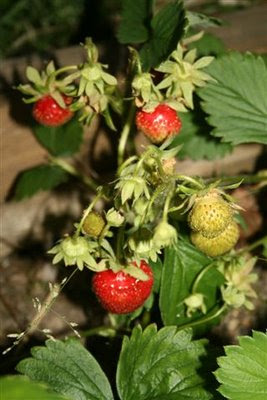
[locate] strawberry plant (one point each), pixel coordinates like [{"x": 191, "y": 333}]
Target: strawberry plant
[{"x": 162, "y": 247}]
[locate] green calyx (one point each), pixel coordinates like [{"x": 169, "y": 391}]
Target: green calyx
[
  {"x": 182, "y": 74},
  {"x": 75, "y": 251}
]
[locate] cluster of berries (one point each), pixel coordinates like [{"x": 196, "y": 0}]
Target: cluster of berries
[{"x": 214, "y": 230}]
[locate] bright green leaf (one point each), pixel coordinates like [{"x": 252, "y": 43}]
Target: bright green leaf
[
  {"x": 133, "y": 27},
  {"x": 60, "y": 141},
  {"x": 69, "y": 369},
  {"x": 42, "y": 177},
  {"x": 243, "y": 371},
  {"x": 181, "y": 266},
  {"x": 195, "y": 138},
  {"x": 237, "y": 102},
  {"x": 15, "y": 387},
  {"x": 167, "y": 28},
  {"x": 160, "y": 365}
]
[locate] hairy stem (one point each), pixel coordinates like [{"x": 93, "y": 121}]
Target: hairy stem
[
  {"x": 203, "y": 320},
  {"x": 125, "y": 134}
]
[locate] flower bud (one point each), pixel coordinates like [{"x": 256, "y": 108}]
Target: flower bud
[
  {"x": 114, "y": 218},
  {"x": 195, "y": 302},
  {"x": 164, "y": 235}
]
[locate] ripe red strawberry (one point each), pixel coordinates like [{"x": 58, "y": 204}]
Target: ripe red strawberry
[
  {"x": 159, "y": 124},
  {"x": 48, "y": 112},
  {"x": 121, "y": 293}
]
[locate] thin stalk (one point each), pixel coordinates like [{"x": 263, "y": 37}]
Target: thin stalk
[
  {"x": 204, "y": 319},
  {"x": 191, "y": 180},
  {"x": 200, "y": 276},
  {"x": 70, "y": 169},
  {"x": 253, "y": 245},
  {"x": 125, "y": 134},
  {"x": 247, "y": 179}
]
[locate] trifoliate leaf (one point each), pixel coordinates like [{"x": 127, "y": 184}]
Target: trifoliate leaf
[
  {"x": 43, "y": 177},
  {"x": 243, "y": 371},
  {"x": 21, "y": 388},
  {"x": 160, "y": 365},
  {"x": 61, "y": 141},
  {"x": 133, "y": 26},
  {"x": 69, "y": 369},
  {"x": 167, "y": 28},
  {"x": 195, "y": 138},
  {"x": 237, "y": 102}
]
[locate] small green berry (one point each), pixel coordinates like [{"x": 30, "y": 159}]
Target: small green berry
[{"x": 93, "y": 224}]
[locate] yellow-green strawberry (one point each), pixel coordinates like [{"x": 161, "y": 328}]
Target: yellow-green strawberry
[
  {"x": 93, "y": 224},
  {"x": 218, "y": 245},
  {"x": 210, "y": 215}
]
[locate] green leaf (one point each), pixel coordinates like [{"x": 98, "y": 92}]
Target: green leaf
[
  {"x": 195, "y": 138},
  {"x": 202, "y": 20},
  {"x": 243, "y": 371},
  {"x": 160, "y": 365},
  {"x": 60, "y": 141},
  {"x": 69, "y": 369},
  {"x": 42, "y": 177},
  {"x": 208, "y": 45},
  {"x": 167, "y": 28},
  {"x": 237, "y": 102},
  {"x": 135, "y": 15},
  {"x": 21, "y": 388},
  {"x": 181, "y": 266}
]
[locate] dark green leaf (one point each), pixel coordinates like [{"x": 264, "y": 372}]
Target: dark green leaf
[
  {"x": 21, "y": 388},
  {"x": 237, "y": 102},
  {"x": 135, "y": 16},
  {"x": 181, "y": 266},
  {"x": 69, "y": 369},
  {"x": 208, "y": 45},
  {"x": 43, "y": 177},
  {"x": 195, "y": 137},
  {"x": 167, "y": 28},
  {"x": 160, "y": 365},
  {"x": 61, "y": 141},
  {"x": 243, "y": 371}
]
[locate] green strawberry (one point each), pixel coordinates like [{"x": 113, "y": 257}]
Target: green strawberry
[
  {"x": 210, "y": 215},
  {"x": 93, "y": 224},
  {"x": 218, "y": 245}
]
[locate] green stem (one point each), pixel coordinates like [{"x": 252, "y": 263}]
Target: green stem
[
  {"x": 253, "y": 245},
  {"x": 105, "y": 331},
  {"x": 167, "y": 204},
  {"x": 70, "y": 169},
  {"x": 125, "y": 134},
  {"x": 204, "y": 319},
  {"x": 191, "y": 180},
  {"x": 246, "y": 179},
  {"x": 200, "y": 276}
]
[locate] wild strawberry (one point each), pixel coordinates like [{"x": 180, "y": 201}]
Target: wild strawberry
[
  {"x": 218, "y": 245},
  {"x": 48, "y": 112},
  {"x": 93, "y": 224},
  {"x": 159, "y": 124},
  {"x": 121, "y": 293},
  {"x": 210, "y": 215}
]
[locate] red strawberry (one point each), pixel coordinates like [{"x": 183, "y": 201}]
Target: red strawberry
[
  {"x": 159, "y": 124},
  {"x": 48, "y": 112},
  {"x": 121, "y": 293}
]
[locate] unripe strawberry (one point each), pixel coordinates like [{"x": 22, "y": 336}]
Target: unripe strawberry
[
  {"x": 93, "y": 224},
  {"x": 218, "y": 245},
  {"x": 210, "y": 215},
  {"x": 159, "y": 124},
  {"x": 48, "y": 112},
  {"x": 121, "y": 293}
]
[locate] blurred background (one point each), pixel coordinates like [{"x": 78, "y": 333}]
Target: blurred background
[{"x": 28, "y": 26}]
